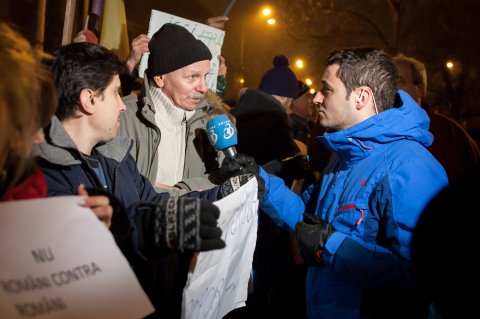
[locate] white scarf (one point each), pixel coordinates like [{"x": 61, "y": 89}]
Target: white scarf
[{"x": 171, "y": 151}]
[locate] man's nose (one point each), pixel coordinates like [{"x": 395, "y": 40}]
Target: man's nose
[
  {"x": 202, "y": 86},
  {"x": 318, "y": 99},
  {"x": 122, "y": 105}
]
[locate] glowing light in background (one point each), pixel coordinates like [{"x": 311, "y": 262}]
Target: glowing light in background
[{"x": 299, "y": 63}]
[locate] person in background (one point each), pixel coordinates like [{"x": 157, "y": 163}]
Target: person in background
[
  {"x": 26, "y": 88},
  {"x": 452, "y": 146},
  {"x": 217, "y": 22},
  {"x": 264, "y": 132},
  {"x": 167, "y": 120},
  {"x": 353, "y": 227},
  {"x": 301, "y": 112},
  {"x": 82, "y": 148},
  {"x": 139, "y": 46}
]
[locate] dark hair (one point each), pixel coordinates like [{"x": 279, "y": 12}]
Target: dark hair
[
  {"x": 370, "y": 67},
  {"x": 78, "y": 66}
]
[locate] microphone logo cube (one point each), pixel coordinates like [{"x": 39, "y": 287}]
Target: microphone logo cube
[{"x": 221, "y": 132}]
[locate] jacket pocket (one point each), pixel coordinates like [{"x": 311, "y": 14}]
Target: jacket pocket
[{"x": 350, "y": 217}]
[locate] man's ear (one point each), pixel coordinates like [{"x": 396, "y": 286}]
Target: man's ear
[
  {"x": 87, "y": 101},
  {"x": 361, "y": 98},
  {"x": 159, "y": 80},
  {"x": 421, "y": 90}
]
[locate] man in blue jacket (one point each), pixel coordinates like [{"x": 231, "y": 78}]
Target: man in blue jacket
[
  {"x": 354, "y": 225},
  {"x": 81, "y": 148}
]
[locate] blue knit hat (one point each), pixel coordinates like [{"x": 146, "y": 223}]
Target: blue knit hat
[{"x": 280, "y": 80}]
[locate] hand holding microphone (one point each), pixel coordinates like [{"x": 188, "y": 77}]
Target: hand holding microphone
[{"x": 223, "y": 136}]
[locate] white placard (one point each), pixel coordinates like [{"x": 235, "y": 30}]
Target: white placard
[
  {"x": 219, "y": 282},
  {"x": 212, "y": 37},
  {"x": 57, "y": 260}
]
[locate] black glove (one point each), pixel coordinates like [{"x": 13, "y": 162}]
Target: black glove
[
  {"x": 179, "y": 223},
  {"x": 234, "y": 183},
  {"x": 295, "y": 167},
  {"x": 311, "y": 235},
  {"x": 239, "y": 165}
]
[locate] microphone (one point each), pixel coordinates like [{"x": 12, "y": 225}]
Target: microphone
[{"x": 222, "y": 135}]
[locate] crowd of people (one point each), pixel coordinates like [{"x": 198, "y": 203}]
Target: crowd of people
[{"x": 343, "y": 174}]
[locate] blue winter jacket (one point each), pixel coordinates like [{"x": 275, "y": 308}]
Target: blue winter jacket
[{"x": 372, "y": 192}]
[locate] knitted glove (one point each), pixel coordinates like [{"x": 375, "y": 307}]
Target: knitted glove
[
  {"x": 234, "y": 183},
  {"x": 180, "y": 223},
  {"x": 311, "y": 235}
]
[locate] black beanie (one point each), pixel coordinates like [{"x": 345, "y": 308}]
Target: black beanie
[
  {"x": 172, "y": 47},
  {"x": 280, "y": 80},
  {"x": 302, "y": 89}
]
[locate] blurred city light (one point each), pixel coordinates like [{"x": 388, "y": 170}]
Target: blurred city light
[
  {"x": 266, "y": 12},
  {"x": 271, "y": 21},
  {"x": 299, "y": 63}
]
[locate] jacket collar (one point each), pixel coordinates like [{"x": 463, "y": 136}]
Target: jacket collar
[
  {"x": 59, "y": 147},
  {"x": 409, "y": 122}
]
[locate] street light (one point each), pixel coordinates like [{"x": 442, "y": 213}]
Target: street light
[
  {"x": 299, "y": 63},
  {"x": 265, "y": 12}
]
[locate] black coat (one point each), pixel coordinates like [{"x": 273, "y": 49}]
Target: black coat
[{"x": 264, "y": 130}]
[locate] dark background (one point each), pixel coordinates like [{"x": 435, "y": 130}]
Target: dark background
[{"x": 434, "y": 31}]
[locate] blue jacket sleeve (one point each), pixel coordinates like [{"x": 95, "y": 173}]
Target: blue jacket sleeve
[{"x": 280, "y": 203}]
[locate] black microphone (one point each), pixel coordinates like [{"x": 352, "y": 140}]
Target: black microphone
[{"x": 223, "y": 135}]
